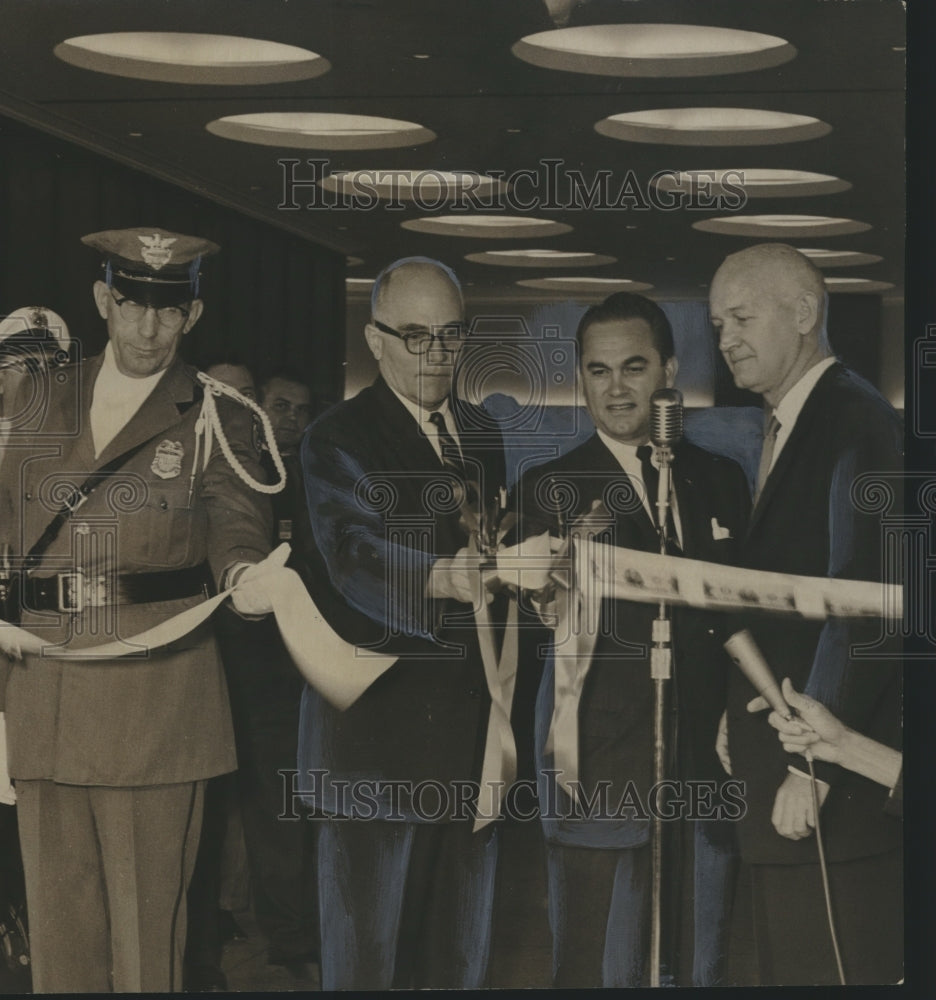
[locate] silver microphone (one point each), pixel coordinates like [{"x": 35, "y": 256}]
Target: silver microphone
[
  {"x": 746, "y": 654},
  {"x": 666, "y": 417}
]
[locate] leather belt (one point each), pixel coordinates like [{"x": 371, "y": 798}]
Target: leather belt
[{"x": 73, "y": 592}]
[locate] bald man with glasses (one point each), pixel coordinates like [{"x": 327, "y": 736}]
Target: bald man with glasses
[{"x": 406, "y": 888}]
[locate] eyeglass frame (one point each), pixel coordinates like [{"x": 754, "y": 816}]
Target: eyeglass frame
[
  {"x": 407, "y": 338},
  {"x": 185, "y": 313}
]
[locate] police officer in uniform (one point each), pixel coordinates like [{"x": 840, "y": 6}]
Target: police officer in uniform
[{"x": 124, "y": 512}]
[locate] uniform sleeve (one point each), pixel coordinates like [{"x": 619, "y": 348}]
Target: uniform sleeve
[{"x": 240, "y": 519}]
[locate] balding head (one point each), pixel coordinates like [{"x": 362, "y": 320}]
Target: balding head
[
  {"x": 779, "y": 267},
  {"x": 421, "y": 271},
  {"x": 416, "y": 296},
  {"x": 768, "y": 304}
]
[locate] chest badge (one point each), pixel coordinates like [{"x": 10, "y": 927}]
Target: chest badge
[{"x": 167, "y": 462}]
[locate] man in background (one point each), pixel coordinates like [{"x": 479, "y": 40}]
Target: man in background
[
  {"x": 266, "y": 690},
  {"x": 211, "y": 920}
]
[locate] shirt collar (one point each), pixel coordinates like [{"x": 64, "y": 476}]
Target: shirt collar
[
  {"x": 117, "y": 381},
  {"x": 626, "y": 454},
  {"x": 420, "y": 415},
  {"x": 789, "y": 408}
]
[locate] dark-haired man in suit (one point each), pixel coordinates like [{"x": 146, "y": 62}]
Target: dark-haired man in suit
[
  {"x": 824, "y": 427},
  {"x": 405, "y": 895},
  {"x": 599, "y": 866}
]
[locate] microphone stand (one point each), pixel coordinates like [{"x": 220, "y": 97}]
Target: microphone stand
[{"x": 661, "y": 669}]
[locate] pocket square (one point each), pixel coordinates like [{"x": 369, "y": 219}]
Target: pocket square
[{"x": 718, "y": 532}]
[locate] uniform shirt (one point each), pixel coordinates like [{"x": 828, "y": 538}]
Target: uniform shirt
[{"x": 115, "y": 399}]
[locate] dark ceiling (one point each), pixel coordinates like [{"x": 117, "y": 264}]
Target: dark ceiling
[{"x": 475, "y": 95}]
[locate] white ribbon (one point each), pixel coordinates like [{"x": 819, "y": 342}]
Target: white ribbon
[
  {"x": 338, "y": 670},
  {"x": 578, "y": 622},
  {"x": 499, "y": 770},
  {"x": 632, "y": 575}
]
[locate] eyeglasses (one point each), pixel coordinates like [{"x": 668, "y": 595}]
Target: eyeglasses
[
  {"x": 419, "y": 341},
  {"x": 171, "y": 317}
]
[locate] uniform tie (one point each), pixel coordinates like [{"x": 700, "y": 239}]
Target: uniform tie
[
  {"x": 766, "y": 458},
  {"x": 651, "y": 478}
]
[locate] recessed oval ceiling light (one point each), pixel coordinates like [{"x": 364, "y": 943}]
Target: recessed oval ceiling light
[
  {"x": 781, "y": 225},
  {"x": 433, "y": 187},
  {"x": 539, "y": 258},
  {"x": 358, "y": 284},
  {"x": 755, "y": 183},
  {"x": 181, "y": 57},
  {"x": 857, "y": 285},
  {"x": 315, "y": 130},
  {"x": 585, "y": 286},
  {"x": 839, "y": 258},
  {"x": 712, "y": 127},
  {"x": 487, "y": 226},
  {"x": 653, "y": 50}
]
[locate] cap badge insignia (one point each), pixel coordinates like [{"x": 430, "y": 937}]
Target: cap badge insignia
[
  {"x": 156, "y": 250},
  {"x": 167, "y": 462}
]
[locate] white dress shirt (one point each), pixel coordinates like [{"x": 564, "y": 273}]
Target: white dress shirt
[
  {"x": 427, "y": 427},
  {"x": 626, "y": 455},
  {"x": 115, "y": 398},
  {"x": 790, "y": 407}
]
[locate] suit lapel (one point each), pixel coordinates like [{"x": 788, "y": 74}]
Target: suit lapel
[
  {"x": 481, "y": 446},
  {"x": 405, "y": 439},
  {"x": 691, "y": 509},
  {"x": 158, "y": 411},
  {"x": 600, "y": 459},
  {"x": 802, "y": 429}
]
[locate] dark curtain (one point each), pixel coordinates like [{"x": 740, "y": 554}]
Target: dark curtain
[{"x": 271, "y": 298}]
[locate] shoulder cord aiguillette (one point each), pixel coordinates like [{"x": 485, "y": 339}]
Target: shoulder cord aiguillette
[{"x": 209, "y": 424}]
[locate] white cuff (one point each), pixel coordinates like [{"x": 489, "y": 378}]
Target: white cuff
[{"x": 806, "y": 775}]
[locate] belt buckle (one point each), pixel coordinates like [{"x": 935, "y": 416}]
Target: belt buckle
[{"x": 71, "y": 592}]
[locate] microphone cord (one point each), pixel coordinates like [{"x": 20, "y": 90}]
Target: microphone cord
[{"x": 825, "y": 872}]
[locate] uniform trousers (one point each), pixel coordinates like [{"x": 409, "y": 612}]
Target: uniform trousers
[
  {"x": 405, "y": 905},
  {"x": 106, "y": 876}
]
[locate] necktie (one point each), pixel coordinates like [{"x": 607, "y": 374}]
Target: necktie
[
  {"x": 651, "y": 478},
  {"x": 451, "y": 456},
  {"x": 770, "y": 441}
]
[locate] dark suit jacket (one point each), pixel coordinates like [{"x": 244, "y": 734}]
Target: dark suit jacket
[
  {"x": 163, "y": 718},
  {"x": 807, "y": 523},
  {"x": 616, "y": 708},
  {"x": 382, "y": 510}
]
